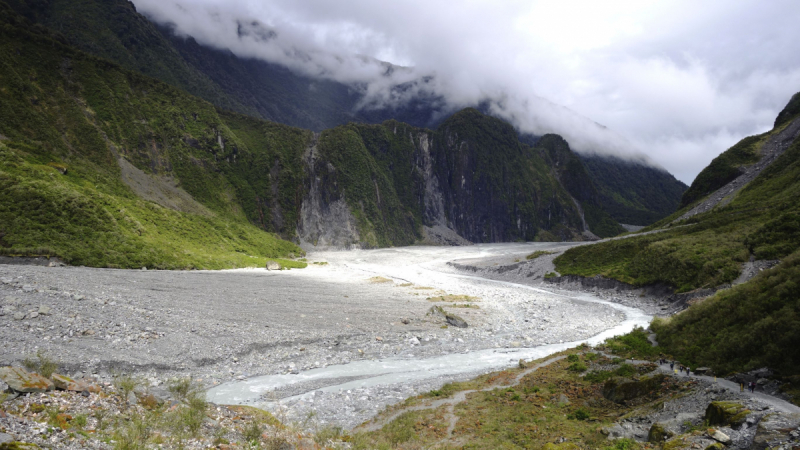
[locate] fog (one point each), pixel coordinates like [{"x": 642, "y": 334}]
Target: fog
[{"x": 673, "y": 83}]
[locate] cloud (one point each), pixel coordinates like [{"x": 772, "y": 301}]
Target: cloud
[{"x": 677, "y": 81}]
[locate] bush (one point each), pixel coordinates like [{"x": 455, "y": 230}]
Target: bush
[{"x": 577, "y": 367}]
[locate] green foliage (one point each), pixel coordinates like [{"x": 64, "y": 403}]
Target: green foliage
[
  {"x": 79, "y": 120},
  {"x": 708, "y": 251},
  {"x": 577, "y": 367},
  {"x": 723, "y": 169},
  {"x": 791, "y": 110},
  {"x": 752, "y": 325},
  {"x": 537, "y": 254},
  {"x": 576, "y": 180},
  {"x": 632, "y": 345},
  {"x": 633, "y": 193},
  {"x": 623, "y": 444}
]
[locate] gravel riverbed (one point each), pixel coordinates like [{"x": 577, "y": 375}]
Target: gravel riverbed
[{"x": 222, "y": 326}]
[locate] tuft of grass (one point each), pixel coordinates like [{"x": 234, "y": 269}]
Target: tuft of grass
[
  {"x": 538, "y": 253},
  {"x": 43, "y": 364},
  {"x": 379, "y": 280}
]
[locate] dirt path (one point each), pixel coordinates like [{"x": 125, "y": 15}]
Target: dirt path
[{"x": 451, "y": 403}]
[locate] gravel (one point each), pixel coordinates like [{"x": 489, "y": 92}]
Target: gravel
[{"x": 220, "y": 326}]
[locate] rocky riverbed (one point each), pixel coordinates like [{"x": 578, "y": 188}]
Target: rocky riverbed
[{"x": 227, "y": 325}]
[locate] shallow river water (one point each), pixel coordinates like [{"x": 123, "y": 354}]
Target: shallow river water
[{"x": 405, "y": 370}]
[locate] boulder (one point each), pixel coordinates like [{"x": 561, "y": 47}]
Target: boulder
[
  {"x": 273, "y": 265},
  {"x": 774, "y": 431},
  {"x": 618, "y": 389},
  {"x": 66, "y": 383},
  {"x": 658, "y": 433},
  {"x": 20, "y": 380},
  {"x": 726, "y": 413},
  {"x": 704, "y": 371},
  {"x": 456, "y": 321}
]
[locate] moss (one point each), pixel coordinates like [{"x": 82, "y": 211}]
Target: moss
[{"x": 726, "y": 413}]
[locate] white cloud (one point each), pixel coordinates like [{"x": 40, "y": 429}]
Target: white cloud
[{"x": 680, "y": 80}]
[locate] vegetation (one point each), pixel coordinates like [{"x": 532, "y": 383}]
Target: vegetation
[
  {"x": 531, "y": 414},
  {"x": 537, "y": 254},
  {"x": 61, "y": 188},
  {"x": 762, "y": 220},
  {"x": 43, "y": 364},
  {"x": 752, "y": 325},
  {"x": 724, "y": 169},
  {"x": 631, "y": 192}
]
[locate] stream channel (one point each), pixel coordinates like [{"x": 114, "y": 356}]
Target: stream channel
[{"x": 398, "y": 371}]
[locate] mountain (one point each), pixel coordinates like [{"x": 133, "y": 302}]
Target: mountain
[
  {"x": 112, "y": 29},
  {"x": 741, "y": 212},
  {"x": 104, "y": 166},
  {"x": 632, "y": 192}
]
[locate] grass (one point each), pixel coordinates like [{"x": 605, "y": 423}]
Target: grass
[
  {"x": 763, "y": 220},
  {"x": 61, "y": 192},
  {"x": 529, "y": 415},
  {"x": 43, "y": 364},
  {"x": 746, "y": 327},
  {"x": 538, "y": 253}
]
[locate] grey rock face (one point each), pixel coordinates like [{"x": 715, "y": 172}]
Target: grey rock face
[{"x": 775, "y": 430}]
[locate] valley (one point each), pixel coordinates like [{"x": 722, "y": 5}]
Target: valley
[{"x": 359, "y": 307}]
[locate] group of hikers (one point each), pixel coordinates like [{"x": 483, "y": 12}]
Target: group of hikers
[{"x": 751, "y": 386}]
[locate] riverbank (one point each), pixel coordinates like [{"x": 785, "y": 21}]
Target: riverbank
[{"x": 218, "y": 327}]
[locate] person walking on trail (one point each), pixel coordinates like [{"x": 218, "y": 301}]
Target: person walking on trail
[{"x": 671, "y": 365}]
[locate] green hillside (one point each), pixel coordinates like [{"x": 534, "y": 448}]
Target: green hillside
[
  {"x": 65, "y": 121},
  {"x": 745, "y": 327},
  {"x": 709, "y": 250},
  {"x": 631, "y": 192}
]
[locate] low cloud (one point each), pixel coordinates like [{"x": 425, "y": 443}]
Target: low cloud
[{"x": 673, "y": 83}]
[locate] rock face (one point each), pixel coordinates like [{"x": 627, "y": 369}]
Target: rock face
[
  {"x": 619, "y": 389},
  {"x": 471, "y": 180},
  {"x": 20, "y": 380},
  {"x": 726, "y": 413},
  {"x": 778, "y": 430}
]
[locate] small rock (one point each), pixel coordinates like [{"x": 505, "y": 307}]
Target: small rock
[
  {"x": 19, "y": 316},
  {"x": 44, "y": 310},
  {"x": 273, "y": 265},
  {"x": 28, "y": 288},
  {"x": 33, "y": 315},
  {"x": 721, "y": 437},
  {"x": 405, "y": 321},
  {"x": 378, "y": 338}
]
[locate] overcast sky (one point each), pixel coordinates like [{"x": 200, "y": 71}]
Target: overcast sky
[{"x": 679, "y": 81}]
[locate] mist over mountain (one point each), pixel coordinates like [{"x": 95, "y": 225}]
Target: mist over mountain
[
  {"x": 675, "y": 81},
  {"x": 378, "y": 90}
]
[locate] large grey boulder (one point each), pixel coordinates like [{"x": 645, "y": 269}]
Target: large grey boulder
[
  {"x": 20, "y": 380},
  {"x": 776, "y": 431}
]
